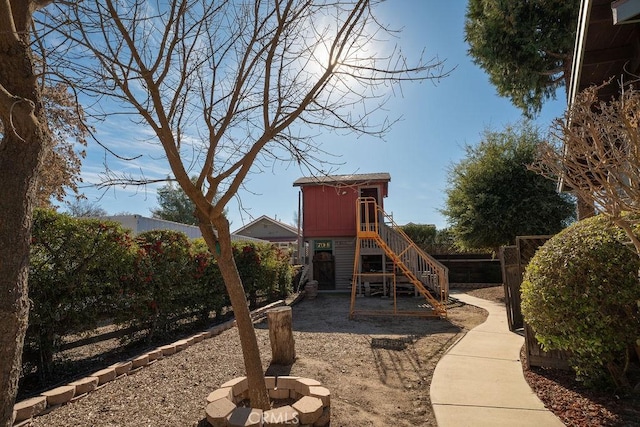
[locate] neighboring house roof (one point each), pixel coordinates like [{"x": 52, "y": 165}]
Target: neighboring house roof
[
  {"x": 357, "y": 179},
  {"x": 139, "y": 224},
  {"x": 269, "y": 229}
]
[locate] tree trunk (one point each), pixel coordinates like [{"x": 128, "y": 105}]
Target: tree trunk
[
  {"x": 21, "y": 151},
  {"x": 283, "y": 347},
  {"x": 222, "y": 250},
  {"x": 15, "y": 233}
]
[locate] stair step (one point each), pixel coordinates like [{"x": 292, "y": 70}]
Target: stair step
[{"x": 401, "y": 254}]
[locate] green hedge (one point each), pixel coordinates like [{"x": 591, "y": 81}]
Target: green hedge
[
  {"x": 76, "y": 268},
  {"x": 83, "y": 271},
  {"x": 580, "y": 294},
  {"x": 164, "y": 284},
  {"x": 264, "y": 270}
]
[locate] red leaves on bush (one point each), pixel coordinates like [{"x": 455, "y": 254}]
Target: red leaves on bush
[
  {"x": 88, "y": 268},
  {"x": 202, "y": 262}
]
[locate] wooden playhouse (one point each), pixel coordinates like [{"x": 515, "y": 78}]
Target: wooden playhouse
[{"x": 354, "y": 246}]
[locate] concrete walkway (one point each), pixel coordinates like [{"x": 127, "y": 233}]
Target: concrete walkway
[{"x": 479, "y": 381}]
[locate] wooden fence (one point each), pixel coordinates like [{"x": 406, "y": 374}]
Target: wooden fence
[
  {"x": 513, "y": 261},
  {"x": 471, "y": 268},
  {"x": 511, "y": 283}
]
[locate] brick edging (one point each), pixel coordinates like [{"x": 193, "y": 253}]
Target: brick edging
[{"x": 49, "y": 400}]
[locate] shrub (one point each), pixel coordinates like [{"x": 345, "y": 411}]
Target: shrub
[
  {"x": 86, "y": 270},
  {"x": 210, "y": 288},
  {"x": 248, "y": 262},
  {"x": 75, "y": 270},
  {"x": 163, "y": 288},
  {"x": 264, "y": 269},
  {"x": 580, "y": 294},
  {"x": 284, "y": 275}
]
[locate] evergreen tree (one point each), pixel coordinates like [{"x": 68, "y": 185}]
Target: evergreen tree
[
  {"x": 493, "y": 197},
  {"x": 526, "y": 47},
  {"x": 175, "y": 205}
]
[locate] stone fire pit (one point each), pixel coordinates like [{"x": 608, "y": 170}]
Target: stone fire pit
[{"x": 298, "y": 402}]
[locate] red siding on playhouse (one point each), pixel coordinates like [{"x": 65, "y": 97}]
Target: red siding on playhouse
[
  {"x": 328, "y": 212},
  {"x": 329, "y": 208}
]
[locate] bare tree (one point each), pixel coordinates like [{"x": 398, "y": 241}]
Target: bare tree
[
  {"x": 23, "y": 144},
  {"x": 221, "y": 85},
  {"x": 595, "y": 151},
  {"x": 83, "y": 208}
]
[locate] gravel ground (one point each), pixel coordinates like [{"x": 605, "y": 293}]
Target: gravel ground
[
  {"x": 378, "y": 370},
  {"x": 372, "y": 383}
]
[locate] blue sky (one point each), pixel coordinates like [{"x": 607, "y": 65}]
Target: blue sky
[{"x": 438, "y": 119}]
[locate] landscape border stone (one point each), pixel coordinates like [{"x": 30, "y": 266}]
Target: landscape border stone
[
  {"x": 105, "y": 375},
  {"x": 85, "y": 385},
  {"x": 282, "y": 416},
  {"x": 309, "y": 409},
  {"x": 245, "y": 417},
  {"x": 154, "y": 355},
  {"x": 181, "y": 345},
  {"x": 140, "y": 361},
  {"x": 59, "y": 395},
  {"x": 122, "y": 368},
  {"x": 168, "y": 350},
  {"x": 29, "y": 408}
]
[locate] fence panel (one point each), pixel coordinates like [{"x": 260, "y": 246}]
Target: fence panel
[
  {"x": 514, "y": 261},
  {"x": 536, "y": 356},
  {"x": 511, "y": 279}
]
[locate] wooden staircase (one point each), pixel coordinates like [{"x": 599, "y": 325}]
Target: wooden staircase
[{"x": 428, "y": 277}]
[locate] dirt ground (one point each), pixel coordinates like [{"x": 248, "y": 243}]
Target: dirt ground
[{"x": 378, "y": 370}]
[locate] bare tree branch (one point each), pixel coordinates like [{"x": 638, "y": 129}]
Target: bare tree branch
[
  {"x": 222, "y": 85},
  {"x": 595, "y": 152}
]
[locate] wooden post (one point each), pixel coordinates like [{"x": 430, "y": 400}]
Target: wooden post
[{"x": 283, "y": 351}]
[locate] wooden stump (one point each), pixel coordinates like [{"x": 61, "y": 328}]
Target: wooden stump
[
  {"x": 311, "y": 289},
  {"x": 283, "y": 351}
]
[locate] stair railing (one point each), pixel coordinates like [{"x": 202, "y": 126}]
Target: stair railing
[{"x": 429, "y": 271}]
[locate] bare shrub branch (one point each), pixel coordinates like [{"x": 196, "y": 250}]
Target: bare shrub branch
[{"x": 595, "y": 152}]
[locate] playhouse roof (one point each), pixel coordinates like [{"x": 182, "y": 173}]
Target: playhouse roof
[{"x": 357, "y": 179}]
